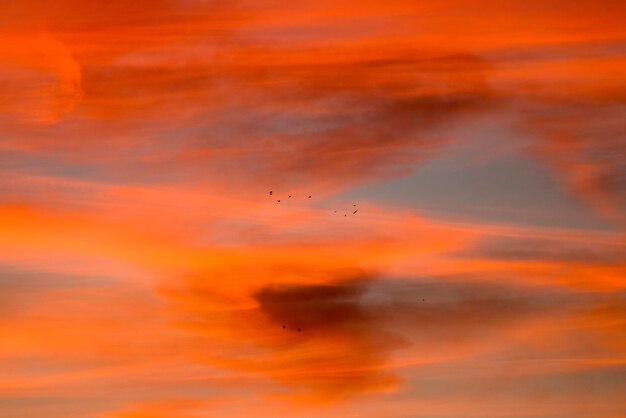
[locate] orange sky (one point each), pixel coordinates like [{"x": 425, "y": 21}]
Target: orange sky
[{"x": 146, "y": 272}]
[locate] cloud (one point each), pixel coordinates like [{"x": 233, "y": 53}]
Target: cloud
[
  {"x": 166, "y": 408},
  {"x": 43, "y": 79},
  {"x": 306, "y": 124},
  {"x": 571, "y": 106},
  {"x": 139, "y": 142},
  {"x": 584, "y": 144},
  {"x": 354, "y": 329},
  {"x": 527, "y": 249},
  {"x": 294, "y": 117}
]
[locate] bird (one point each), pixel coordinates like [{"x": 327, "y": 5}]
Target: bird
[
  {"x": 345, "y": 214},
  {"x": 289, "y": 196},
  {"x": 270, "y": 192},
  {"x": 355, "y": 211},
  {"x": 335, "y": 211},
  {"x": 299, "y": 330},
  {"x": 309, "y": 197},
  {"x": 354, "y": 206},
  {"x": 278, "y": 200},
  {"x": 284, "y": 326}
]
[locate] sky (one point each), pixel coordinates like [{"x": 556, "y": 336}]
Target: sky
[{"x": 147, "y": 271}]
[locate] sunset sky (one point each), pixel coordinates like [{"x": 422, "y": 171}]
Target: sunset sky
[{"x": 147, "y": 272}]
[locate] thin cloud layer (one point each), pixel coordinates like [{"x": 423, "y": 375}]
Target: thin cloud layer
[
  {"x": 584, "y": 144},
  {"x": 43, "y": 79},
  {"x": 146, "y": 271},
  {"x": 344, "y": 118},
  {"x": 332, "y": 340}
]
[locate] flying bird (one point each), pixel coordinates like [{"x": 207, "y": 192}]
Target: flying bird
[
  {"x": 284, "y": 327},
  {"x": 289, "y": 196},
  {"x": 299, "y": 330},
  {"x": 270, "y": 192},
  {"x": 278, "y": 200},
  {"x": 355, "y": 211},
  {"x": 309, "y": 197}
]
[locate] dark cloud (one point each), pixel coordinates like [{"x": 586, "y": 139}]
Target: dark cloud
[
  {"x": 371, "y": 306},
  {"x": 324, "y": 307},
  {"x": 350, "y": 328}
]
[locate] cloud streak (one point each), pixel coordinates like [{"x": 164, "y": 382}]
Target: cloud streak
[{"x": 146, "y": 272}]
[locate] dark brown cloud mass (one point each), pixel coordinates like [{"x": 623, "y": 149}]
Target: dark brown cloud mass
[{"x": 353, "y": 330}]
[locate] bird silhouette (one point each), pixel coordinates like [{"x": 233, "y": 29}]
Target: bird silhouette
[
  {"x": 284, "y": 327},
  {"x": 289, "y": 196},
  {"x": 355, "y": 211},
  {"x": 270, "y": 192},
  {"x": 309, "y": 197},
  {"x": 299, "y": 330},
  {"x": 278, "y": 200}
]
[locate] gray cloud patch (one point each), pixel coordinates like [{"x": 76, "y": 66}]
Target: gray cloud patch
[
  {"x": 373, "y": 318},
  {"x": 544, "y": 249}
]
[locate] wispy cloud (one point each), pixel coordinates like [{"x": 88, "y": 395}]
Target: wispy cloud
[{"x": 146, "y": 271}]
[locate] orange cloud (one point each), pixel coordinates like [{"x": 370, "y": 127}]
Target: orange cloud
[
  {"x": 146, "y": 272},
  {"x": 43, "y": 78},
  {"x": 161, "y": 409}
]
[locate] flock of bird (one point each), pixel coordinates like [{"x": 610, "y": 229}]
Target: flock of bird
[
  {"x": 345, "y": 214},
  {"x": 285, "y": 327}
]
